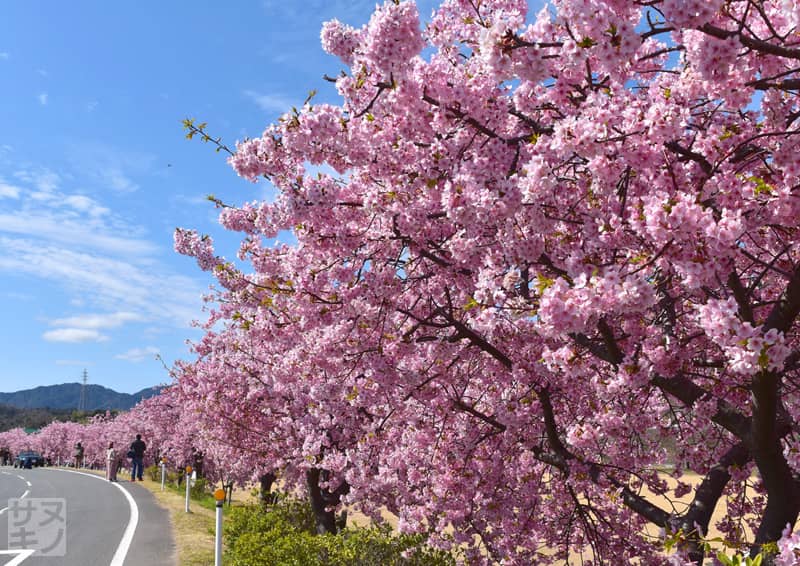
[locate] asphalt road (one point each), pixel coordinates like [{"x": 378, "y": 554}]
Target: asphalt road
[{"x": 87, "y": 521}]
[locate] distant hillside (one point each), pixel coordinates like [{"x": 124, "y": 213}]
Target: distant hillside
[
  {"x": 67, "y": 396},
  {"x": 13, "y": 417}
]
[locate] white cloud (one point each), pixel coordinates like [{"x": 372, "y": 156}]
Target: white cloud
[
  {"x": 139, "y": 354},
  {"x": 352, "y": 12},
  {"x": 110, "y": 167},
  {"x": 111, "y": 282},
  {"x": 96, "y": 321},
  {"x": 17, "y": 296},
  {"x": 43, "y": 179},
  {"x": 270, "y": 102},
  {"x": 110, "y": 271},
  {"x": 4, "y": 55},
  {"x": 85, "y": 204},
  {"x": 119, "y": 181},
  {"x": 42, "y": 72},
  {"x": 74, "y": 335},
  {"x": 42, "y": 98},
  {"x": 91, "y": 105},
  {"x": 74, "y": 231},
  {"x": 9, "y": 191},
  {"x": 73, "y": 363}
]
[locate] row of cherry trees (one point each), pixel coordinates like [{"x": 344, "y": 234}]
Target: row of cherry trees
[
  {"x": 169, "y": 431},
  {"x": 539, "y": 256},
  {"x": 540, "y": 262}
]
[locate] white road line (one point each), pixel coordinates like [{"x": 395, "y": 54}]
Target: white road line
[
  {"x": 22, "y": 554},
  {"x": 22, "y": 478},
  {"x": 4, "y": 509},
  {"x": 127, "y": 536}
]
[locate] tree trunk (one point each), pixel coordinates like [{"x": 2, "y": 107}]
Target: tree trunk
[
  {"x": 265, "y": 494},
  {"x": 783, "y": 498},
  {"x": 325, "y": 518}
]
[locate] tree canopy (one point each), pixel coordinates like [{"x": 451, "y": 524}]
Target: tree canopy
[{"x": 543, "y": 261}]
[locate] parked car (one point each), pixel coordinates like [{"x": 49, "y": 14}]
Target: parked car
[{"x": 28, "y": 459}]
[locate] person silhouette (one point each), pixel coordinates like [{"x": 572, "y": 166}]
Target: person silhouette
[{"x": 137, "y": 460}]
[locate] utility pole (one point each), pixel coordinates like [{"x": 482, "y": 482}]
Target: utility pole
[{"x": 82, "y": 404}]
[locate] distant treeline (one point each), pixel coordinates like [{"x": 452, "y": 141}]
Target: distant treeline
[{"x": 13, "y": 417}]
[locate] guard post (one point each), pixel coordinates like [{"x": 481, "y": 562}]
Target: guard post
[
  {"x": 188, "y": 487},
  {"x": 219, "y": 497}
]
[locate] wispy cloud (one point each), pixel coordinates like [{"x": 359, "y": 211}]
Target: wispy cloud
[
  {"x": 137, "y": 355},
  {"x": 44, "y": 180},
  {"x": 4, "y": 55},
  {"x": 9, "y": 191},
  {"x": 73, "y": 230},
  {"x": 74, "y": 335},
  {"x": 91, "y": 105},
  {"x": 42, "y": 98},
  {"x": 97, "y": 321},
  {"x": 106, "y": 281},
  {"x": 73, "y": 363},
  {"x": 110, "y": 271},
  {"x": 85, "y": 204},
  {"x": 110, "y": 167},
  {"x": 270, "y": 102},
  {"x": 349, "y": 11}
]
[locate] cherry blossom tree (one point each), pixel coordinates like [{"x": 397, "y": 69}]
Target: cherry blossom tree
[
  {"x": 16, "y": 441},
  {"x": 540, "y": 258}
]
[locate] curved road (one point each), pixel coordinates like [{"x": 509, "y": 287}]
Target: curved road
[{"x": 108, "y": 524}]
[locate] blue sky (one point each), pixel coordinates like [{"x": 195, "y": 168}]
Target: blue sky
[{"x": 95, "y": 173}]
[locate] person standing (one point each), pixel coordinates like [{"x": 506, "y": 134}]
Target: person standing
[
  {"x": 77, "y": 455},
  {"x": 111, "y": 463},
  {"x": 137, "y": 460}
]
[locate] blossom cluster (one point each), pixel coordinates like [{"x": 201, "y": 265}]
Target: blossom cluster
[
  {"x": 541, "y": 258},
  {"x": 749, "y": 349}
]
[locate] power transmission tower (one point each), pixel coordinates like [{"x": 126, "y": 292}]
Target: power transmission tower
[{"x": 82, "y": 404}]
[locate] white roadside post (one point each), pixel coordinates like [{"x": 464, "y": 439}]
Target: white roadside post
[
  {"x": 163, "y": 472},
  {"x": 219, "y": 496},
  {"x": 188, "y": 487}
]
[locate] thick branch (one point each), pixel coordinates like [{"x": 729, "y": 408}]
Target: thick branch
[
  {"x": 678, "y": 149},
  {"x": 476, "y": 339},
  {"x": 688, "y": 392},
  {"x": 459, "y": 404},
  {"x": 707, "y": 495},
  {"x": 787, "y": 308},
  {"x": 751, "y": 42},
  {"x": 740, "y": 294}
]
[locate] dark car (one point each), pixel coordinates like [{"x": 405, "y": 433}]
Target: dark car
[{"x": 28, "y": 460}]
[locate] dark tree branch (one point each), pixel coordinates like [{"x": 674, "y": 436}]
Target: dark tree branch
[
  {"x": 751, "y": 42},
  {"x": 706, "y": 497},
  {"x": 678, "y": 149},
  {"x": 741, "y": 296},
  {"x": 459, "y": 404},
  {"x": 688, "y": 392},
  {"x": 785, "y": 311}
]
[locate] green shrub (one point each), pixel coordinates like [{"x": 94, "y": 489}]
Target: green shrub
[
  {"x": 199, "y": 488},
  {"x": 153, "y": 472},
  {"x": 284, "y": 535}
]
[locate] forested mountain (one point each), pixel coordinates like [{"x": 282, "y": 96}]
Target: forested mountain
[
  {"x": 14, "y": 417},
  {"x": 66, "y": 396}
]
